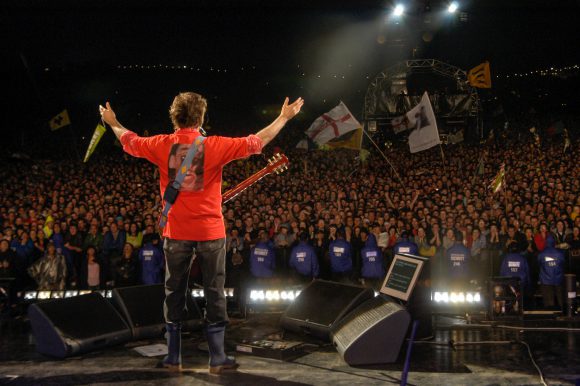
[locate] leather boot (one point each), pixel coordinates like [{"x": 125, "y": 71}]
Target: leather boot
[
  {"x": 218, "y": 360},
  {"x": 173, "y": 359}
]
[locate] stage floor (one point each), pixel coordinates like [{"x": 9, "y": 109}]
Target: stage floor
[{"x": 433, "y": 362}]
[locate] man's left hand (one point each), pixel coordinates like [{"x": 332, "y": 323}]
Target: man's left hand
[{"x": 290, "y": 111}]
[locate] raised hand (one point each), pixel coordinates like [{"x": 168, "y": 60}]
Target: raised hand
[
  {"x": 290, "y": 111},
  {"x": 108, "y": 114}
]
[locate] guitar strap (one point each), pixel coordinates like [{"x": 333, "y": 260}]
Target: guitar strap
[{"x": 172, "y": 189}]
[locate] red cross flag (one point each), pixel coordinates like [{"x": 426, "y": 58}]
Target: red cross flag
[{"x": 333, "y": 124}]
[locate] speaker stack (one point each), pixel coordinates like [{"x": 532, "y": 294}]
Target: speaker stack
[
  {"x": 321, "y": 305},
  {"x": 142, "y": 308},
  {"x": 365, "y": 329},
  {"x": 76, "y": 325},
  {"x": 65, "y": 327}
]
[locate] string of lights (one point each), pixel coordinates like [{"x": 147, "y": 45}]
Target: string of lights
[{"x": 552, "y": 71}]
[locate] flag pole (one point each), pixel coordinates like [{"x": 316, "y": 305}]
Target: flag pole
[
  {"x": 443, "y": 158},
  {"x": 504, "y": 192},
  {"x": 386, "y": 159}
]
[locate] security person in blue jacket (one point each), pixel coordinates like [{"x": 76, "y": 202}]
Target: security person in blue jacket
[
  {"x": 303, "y": 260},
  {"x": 551, "y": 262},
  {"x": 340, "y": 253},
  {"x": 263, "y": 258},
  {"x": 404, "y": 245},
  {"x": 152, "y": 263},
  {"x": 516, "y": 265},
  {"x": 457, "y": 258},
  {"x": 373, "y": 269}
]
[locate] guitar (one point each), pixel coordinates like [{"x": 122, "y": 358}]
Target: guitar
[{"x": 277, "y": 164}]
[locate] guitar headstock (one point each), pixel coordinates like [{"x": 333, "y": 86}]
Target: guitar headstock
[{"x": 278, "y": 163}]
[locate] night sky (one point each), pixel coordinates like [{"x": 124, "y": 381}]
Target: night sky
[{"x": 245, "y": 56}]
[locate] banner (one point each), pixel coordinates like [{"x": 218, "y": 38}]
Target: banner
[
  {"x": 97, "y": 135},
  {"x": 424, "y": 133},
  {"x": 498, "y": 181},
  {"x": 60, "y": 120},
  {"x": 480, "y": 76},
  {"x": 452, "y": 105},
  {"x": 333, "y": 124},
  {"x": 352, "y": 140}
]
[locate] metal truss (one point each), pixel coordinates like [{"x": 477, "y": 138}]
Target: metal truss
[{"x": 398, "y": 74}]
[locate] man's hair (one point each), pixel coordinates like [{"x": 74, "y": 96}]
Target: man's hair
[{"x": 187, "y": 110}]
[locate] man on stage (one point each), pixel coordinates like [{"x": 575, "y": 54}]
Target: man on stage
[{"x": 194, "y": 225}]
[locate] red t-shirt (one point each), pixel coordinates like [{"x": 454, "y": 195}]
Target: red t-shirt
[{"x": 196, "y": 214}]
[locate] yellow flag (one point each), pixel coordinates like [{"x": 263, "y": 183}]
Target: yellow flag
[
  {"x": 99, "y": 131},
  {"x": 479, "y": 76},
  {"x": 60, "y": 120},
  {"x": 350, "y": 140}
]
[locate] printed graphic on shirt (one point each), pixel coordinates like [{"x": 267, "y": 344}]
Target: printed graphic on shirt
[{"x": 193, "y": 181}]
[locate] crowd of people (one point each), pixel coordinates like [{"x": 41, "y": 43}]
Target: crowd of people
[{"x": 332, "y": 215}]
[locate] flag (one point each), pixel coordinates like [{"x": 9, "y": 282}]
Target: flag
[
  {"x": 303, "y": 144},
  {"x": 99, "y": 131},
  {"x": 400, "y": 124},
  {"x": 60, "y": 120},
  {"x": 453, "y": 138},
  {"x": 537, "y": 139},
  {"x": 498, "y": 181},
  {"x": 479, "y": 76},
  {"x": 333, "y": 124},
  {"x": 352, "y": 140},
  {"x": 566, "y": 140},
  {"x": 424, "y": 133}
]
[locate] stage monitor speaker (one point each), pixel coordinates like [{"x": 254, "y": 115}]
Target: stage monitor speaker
[
  {"x": 142, "y": 308},
  {"x": 65, "y": 327},
  {"x": 322, "y": 304},
  {"x": 373, "y": 333}
]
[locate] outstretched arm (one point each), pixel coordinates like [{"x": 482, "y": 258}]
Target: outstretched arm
[
  {"x": 110, "y": 118},
  {"x": 287, "y": 113}
]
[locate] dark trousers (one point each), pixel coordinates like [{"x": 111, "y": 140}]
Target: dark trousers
[
  {"x": 548, "y": 292},
  {"x": 179, "y": 255}
]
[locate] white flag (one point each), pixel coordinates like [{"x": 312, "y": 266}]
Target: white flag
[
  {"x": 333, "y": 124},
  {"x": 424, "y": 133},
  {"x": 399, "y": 124}
]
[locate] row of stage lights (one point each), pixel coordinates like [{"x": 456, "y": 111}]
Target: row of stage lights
[
  {"x": 456, "y": 297},
  {"x": 260, "y": 296}
]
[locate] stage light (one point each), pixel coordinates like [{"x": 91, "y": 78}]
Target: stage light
[
  {"x": 30, "y": 295},
  {"x": 44, "y": 294},
  {"x": 456, "y": 297},
  {"x": 452, "y": 7},
  {"x": 71, "y": 293},
  {"x": 399, "y": 9},
  {"x": 262, "y": 296}
]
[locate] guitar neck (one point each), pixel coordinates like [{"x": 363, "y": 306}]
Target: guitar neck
[{"x": 230, "y": 194}]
